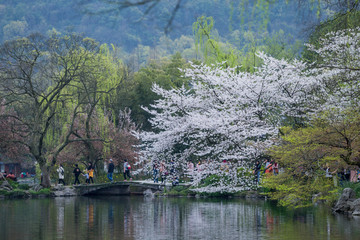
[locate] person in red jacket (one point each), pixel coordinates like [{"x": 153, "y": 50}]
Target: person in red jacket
[{"x": 11, "y": 176}]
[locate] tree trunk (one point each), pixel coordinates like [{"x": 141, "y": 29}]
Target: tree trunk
[{"x": 45, "y": 177}]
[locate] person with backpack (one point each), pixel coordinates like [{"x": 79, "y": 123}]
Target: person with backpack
[
  {"x": 61, "y": 172},
  {"x": 127, "y": 168}
]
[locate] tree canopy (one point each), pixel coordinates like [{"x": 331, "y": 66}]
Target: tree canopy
[{"x": 51, "y": 83}]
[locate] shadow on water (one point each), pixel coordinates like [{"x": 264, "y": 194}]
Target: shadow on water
[{"x": 168, "y": 218}]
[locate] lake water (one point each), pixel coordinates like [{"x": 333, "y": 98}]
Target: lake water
[{"x": 137, "y": 217}]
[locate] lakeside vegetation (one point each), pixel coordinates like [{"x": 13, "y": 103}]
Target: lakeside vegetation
[{"x": 219, "y": 96}]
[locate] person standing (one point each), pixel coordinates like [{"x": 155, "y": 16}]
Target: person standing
[
  {"x": 61, "y": 172},
  {"x": 127, "y": 168},
  {"x": 110, "y": 170},
  {"x": 90, "y": 171},
  {"x": 268, "y": 167},
  {"x": 257, "y": 169},
  {"x": 77, "y": 173},
  {"x": 163, "y": 172},
  {"x": 276, "y": 168},
  {"x": 156, "y": 172},
  {"x": 86, "y": 175}
]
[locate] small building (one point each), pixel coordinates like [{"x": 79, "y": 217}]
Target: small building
[{"x": 15, "y": 168}]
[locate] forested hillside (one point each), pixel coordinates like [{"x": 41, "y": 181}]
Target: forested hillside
[{"x": 236, "y": 22}]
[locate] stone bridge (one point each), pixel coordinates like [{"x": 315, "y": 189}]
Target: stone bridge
[{"x": 118, "y": 188}]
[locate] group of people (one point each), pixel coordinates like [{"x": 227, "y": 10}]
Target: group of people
[
  {"x": 89, "y": 172},
  {"x": 126, "y": 170},
  {"x": 342, "y": 175},
  {"x": 271, "y": 167},
  {"x": 11, "y": 176},
  {"x": 159, "y": 170}
]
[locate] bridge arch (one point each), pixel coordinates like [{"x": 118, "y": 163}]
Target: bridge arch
[{"x": 117, "y": 188}]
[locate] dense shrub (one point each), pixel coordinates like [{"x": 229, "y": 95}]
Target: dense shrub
[{"x": 23, "y": 186}]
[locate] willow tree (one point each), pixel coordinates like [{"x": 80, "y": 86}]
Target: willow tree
[
  {"x": 84, "y": 119},
  {"x": 50, "y": 82},
  {"x": 212, "y": 49}
]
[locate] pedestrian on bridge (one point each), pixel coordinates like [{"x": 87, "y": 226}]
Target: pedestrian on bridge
[
  {"x": 77, "y": 173},
  {"x": 61, "y": 172},
  {"x": 163, "y": 172},
  {"x": 110, "y": 170},
  {"x": 156, "y": 172},
  {"x": 127, "y": 168},
  {"x": 90, "y": 171}
]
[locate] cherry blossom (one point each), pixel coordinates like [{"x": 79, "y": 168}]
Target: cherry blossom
[{"x": 232, "y": 116}]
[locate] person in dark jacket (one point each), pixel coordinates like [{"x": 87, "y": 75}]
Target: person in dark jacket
[
  {"x": 77, "y": 173},
  {"x": 257, "y": 169},
  {"x": 110, "y": 170}
]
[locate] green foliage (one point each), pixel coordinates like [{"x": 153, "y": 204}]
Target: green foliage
[
  {"x": 17, "y": 193},
  {"x": 102, "y": 178},
  {"x": 330, "y": 142},
  {"x": 12, "y": 183},
  {"x": 4, "y": 192},
  {"x": 135, "y": 91},
  {"x": 17, "y": 186},
  {"x": 296, "y": 192},
  {"x": 212, "y": 49},
  {"x": 44, "y": 191},
  {"x": 244, "y": 55},
  {"x": 15, "y": 29},
  {"x": 23, "y": 186},
  {"x": 217, "y": 194},
  {"x": 304, "y": 155},
  {"x": 353, "y": 185},
  {"x": 179, "y": 190}
]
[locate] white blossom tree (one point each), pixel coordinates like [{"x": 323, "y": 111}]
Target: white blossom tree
[
  {"x": 226, "y": 118},
  {"x": 338, "y": 70}
]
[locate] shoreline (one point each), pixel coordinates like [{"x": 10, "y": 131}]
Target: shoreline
[
  {"x": 37, "y": 191},
  {"x": 347, "y": 204}
]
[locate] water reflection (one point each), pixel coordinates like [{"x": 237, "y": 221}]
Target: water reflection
[{"x": 164, "y": 218}]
